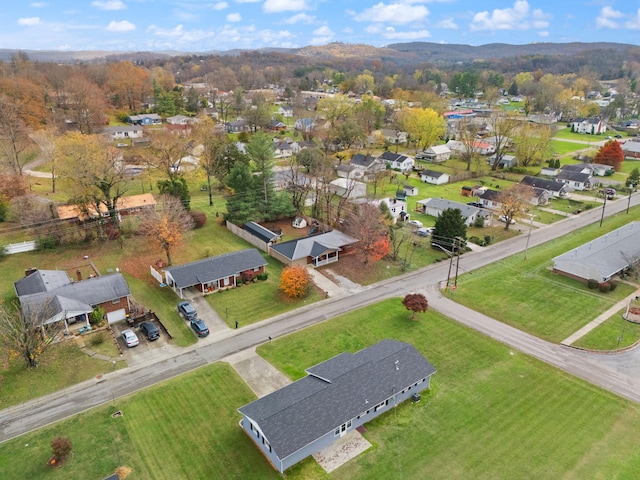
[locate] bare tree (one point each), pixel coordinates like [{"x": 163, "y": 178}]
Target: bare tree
[
  {"x": 23, "y": 334},
  {"x": 513, "y": 202},
  {"x": 368, "y": 225},
  {"x": 503, "y": 128},
  {"x": 14, "y": 138}
]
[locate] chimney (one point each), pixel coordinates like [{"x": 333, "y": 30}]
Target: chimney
[
  {"x": 79, "y": 275},
  {"x": 29, "y": 271}
]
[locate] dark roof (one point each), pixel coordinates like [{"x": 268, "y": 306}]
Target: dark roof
[
  {"x": 393, "y": 157},
  {"x": 261, "y": 232},
  {"x": 362, "y": 160},
  {"x": 314, "y": 245},
  {"x": 490, "y": 195},
  {"x": 334, "y": 392},
  {"x": 574, "y": 176},
  {"x": 41, "y": 281},
  {"x": 432, "y": 173},
  {"x": 215, "y": 268},
  {"x": 550, "y": 185}
]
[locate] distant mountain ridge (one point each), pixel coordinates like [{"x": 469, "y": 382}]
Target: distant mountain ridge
[{"x": 399, "y": 53}]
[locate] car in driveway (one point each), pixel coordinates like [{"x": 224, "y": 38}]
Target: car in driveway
[
  {"x": 424, "y": 231},
  {"x": 503, "y": 219},
  {"x": 187, "y": 311},
  {"x": 150, "y": 331},
  {"x": 199, "y": 327},
  {"x": 130, "y": 338},
  {"x": 415, "y": 223}
]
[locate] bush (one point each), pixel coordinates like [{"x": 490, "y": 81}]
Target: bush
[
  {"x": 3, "y": 252},
  {"x": 479, "y": 222},
  {"x": 604, "y": 287},
  {"x": 97, "y": 316},
  {"x": 592, "y": 284},
  {"x": 60, "y": 448},
  {"x": 262, "y": 276},
  {"x": 613, "y": 284},
  {"x": 295, "y": 281},
  {"x": 47, "y": 243},
  {"x": 247, "y": 277},
  {"x": 487, "y": 239},
  {"x": 97, "y": 339},
  {"x": 199, "y": 218}
]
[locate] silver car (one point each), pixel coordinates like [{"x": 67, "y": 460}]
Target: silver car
[{"x": 130, "y": 338}]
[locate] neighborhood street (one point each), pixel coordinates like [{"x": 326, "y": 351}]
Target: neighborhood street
[{"x": 618, "y": 373}]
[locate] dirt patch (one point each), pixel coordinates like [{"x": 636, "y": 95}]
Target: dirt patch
[
  {"x": 341, "y": 451},
  {"x": 352, "y": 267}
]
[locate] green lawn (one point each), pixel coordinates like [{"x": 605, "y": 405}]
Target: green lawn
[
  {"x": 491, "y": 413},
  {"x": 529, "y": 296},
  {"x": 59, "y": 366},
  {"x": 566, "y": 133},
  {"x": 612, "y": 334},
  {"x": 558, "y": 147}
]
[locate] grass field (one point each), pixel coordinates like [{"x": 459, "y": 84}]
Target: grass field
[
  {"x": 614, "y": 333},
  {"x": 529, "y": 296},
  {"x": 492, "y": 413}
]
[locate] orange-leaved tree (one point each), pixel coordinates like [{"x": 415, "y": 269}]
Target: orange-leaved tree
[
  {"x": 415, "y": 302},
  {"x": 611, "y": 154},
  {"x": 294, "y": 281},
  {"x": 368, "y": 225}
]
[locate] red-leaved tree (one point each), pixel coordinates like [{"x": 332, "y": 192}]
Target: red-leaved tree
[
  {"x": 415, "y": 302},
  {"x": 368, "y": 225},
  {"x": 611, "y": 154}
]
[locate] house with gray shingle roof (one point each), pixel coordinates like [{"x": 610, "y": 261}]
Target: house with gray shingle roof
[
  {"x": 576, "y": 180},
  {"x": 314, "y": 250},
  {"x": 435, "y": 207},
  {"x": 602, "y": 258},
  {"x": 215, "y": 273},
  {"x": 336, "y": 397},
  {"x": 555, "y": 188},
  {"x": 50, "y": 296}
]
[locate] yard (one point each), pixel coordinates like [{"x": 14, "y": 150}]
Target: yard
[
  {"x": 492, "y": 413},
  {"x": 529, "y": 296}
]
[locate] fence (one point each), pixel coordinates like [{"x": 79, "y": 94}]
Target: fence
[
  {"x": 242, "y": 233},
  {"x": 28, "y": 246}
]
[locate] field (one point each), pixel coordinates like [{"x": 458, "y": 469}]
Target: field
[
  {"x": 529, "y": 296},
  {"x": 492, "y": 413}
]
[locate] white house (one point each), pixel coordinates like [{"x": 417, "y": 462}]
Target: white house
[
  {"x": 122, "y": 132},
  {"x": 437, "y": 153},
  {"x": 436, "y": 178},
  {"x": 397, "y": 161},
  {"x": 592, "y": 125},
  {"x": 435, "y": 207},
  {"x": 347, "y": 187},
  {"x": 286, "y": 111},
  {"x": 396, "y": 206},
  {"x": 306, "y": 125}
]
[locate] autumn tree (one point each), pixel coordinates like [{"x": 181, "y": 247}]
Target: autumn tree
[
  {"x": 166, "y": 224},
  {"x": 367, "y": 223},
  {"x": 93, "y": 167},
  {"x": 611, "y": 154},
  {"x": 532, "y": 143},
  {"x": 369, "y": 114},
  {"x": 14, "y": 135},
  {"x": 513, "y": 202},
  {"x": 167, "y": 151},
  {"x": 60, "y": 449},
  {"x": 415, "y": 302},
  {"x": 213, "y": 152},
  {"x": 424, "y": 126},
  {"x": 129, "y": 84},
  {"x": 86, "y": 103},
  {"x": 23, "y": 333},
  {"x": 468, "y": 135},
  {"x": 295, "y": 281}
]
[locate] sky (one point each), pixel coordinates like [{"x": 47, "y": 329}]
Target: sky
[{"x": 204, "y": 25}]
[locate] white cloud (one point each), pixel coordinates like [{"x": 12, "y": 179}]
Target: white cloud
[
  {"x": 448, "y": 24},
  {"x": 607, "y": 17},
  {"x": 520, "y": 17},
  {"x": 391, "y": 34},
  {"x": 300, "y": 18},
  {"x": 634, "y": 22},
  {"x": 29, "y": 22},
  {"x": 179, "y": 35},
  {"x": 271, "y": 6},
  {"x": 247, "y": 1},
  {"x": 234, "y": 17},
  {"x": 322, "y": 35},
  {"x": 123, "y": 26},
  {"x": 109, "y": 5},
  {"x": 396, "y": 13},
  {"x": 221, "y": 6},
  {"x": 38, "y": 4},
  {"x": 543, "y": 34}
]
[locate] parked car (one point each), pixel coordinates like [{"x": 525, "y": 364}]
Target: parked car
[
  {"x": 415, "y": 223},
  {"x": 424, "y": 231},
  {"x": 130, "y": 338},
  {"x": 503, "y": 219},
  {"x": 421, "y": 156},
  {"x": 149, "y": 330},
  {"x": 475, "y": 204},
  {"x": 187, "y": 311},
  {"x": 199, "y": 327},
  {"x": 618, "y": 136}
]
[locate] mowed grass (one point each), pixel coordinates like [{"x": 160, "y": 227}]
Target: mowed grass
[
  {"x": 614, "y": 333},
  {"x": 492, "y": 412},
  {"x": 529, "y": 296},
  {"x": 185, "y": 428},
  {"x": 59, "y": 366}
]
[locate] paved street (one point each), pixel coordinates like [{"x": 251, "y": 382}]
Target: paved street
[{"x": 618, "y": 373}]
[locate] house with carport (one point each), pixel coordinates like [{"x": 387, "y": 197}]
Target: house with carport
[
  {"x": 336, "y": 397},
  {"x": 214, "y": 274},
  {"x": 313, "y": 250},
  {"x": 51, "y": 296},
  {"x": 602, "y": 258}
]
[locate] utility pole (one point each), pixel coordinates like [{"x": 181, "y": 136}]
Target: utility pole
[
  {"x": 458, "y": 245},
  {"x": 603, "y": 205},
  {"x": 526, "y": 248},
  {"x": 632, "y": 187}
]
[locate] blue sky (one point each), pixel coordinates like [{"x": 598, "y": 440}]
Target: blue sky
[{"x": 203, "y": 25}]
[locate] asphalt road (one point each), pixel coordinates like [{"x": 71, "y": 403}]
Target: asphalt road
[{"x": 619, "y": 373}]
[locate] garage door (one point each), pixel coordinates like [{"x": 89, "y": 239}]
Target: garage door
[{"x": 116, "y": 316}]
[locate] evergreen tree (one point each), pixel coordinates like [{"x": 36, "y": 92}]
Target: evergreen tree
[
  {"x": 176, "y": 187},
  {"x": 513, "y": 89},
  {"x": 634, "y": 178},
  {"x": 449, "y": 226},
  {"x": 241, "y": 204}
]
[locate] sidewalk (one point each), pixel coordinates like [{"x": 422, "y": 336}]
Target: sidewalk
[{"x": 600, "y": 319}]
